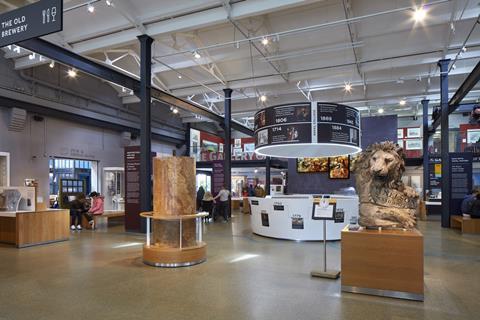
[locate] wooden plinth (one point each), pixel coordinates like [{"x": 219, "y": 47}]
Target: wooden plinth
[
  {"x": 33, "y": 228},
  {"x": 161, "y": 256},
  {"x": 386, "y": 263}
]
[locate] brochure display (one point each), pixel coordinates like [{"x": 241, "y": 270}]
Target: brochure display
[
  {"x": 176, "y": 238},
  {"x": 383, "y": 262},
  {"x": 325, "y": 210}
]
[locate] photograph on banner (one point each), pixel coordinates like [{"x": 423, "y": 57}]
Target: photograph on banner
[
  {"x": 400, "y": 133},
  {"x": 311, "y": 165},
  {"x": 414, "y": 132},
  {"x": 339, "y": 167},
  {"x": 473, "y": 136},
  {"x": 414, "y": 144}
]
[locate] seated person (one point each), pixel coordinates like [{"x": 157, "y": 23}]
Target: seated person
[
  {"x": 97, "y": 203},
  {"x": 475, "y": 209},
  {"x": 78, "y": 208},
  {"x": 468, "y": 201}
]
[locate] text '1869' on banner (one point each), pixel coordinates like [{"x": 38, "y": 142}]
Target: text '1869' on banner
[{"x": 31, "y": 21}]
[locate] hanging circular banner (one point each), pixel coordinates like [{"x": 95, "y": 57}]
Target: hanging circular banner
[{"x": 302, "y": 130}]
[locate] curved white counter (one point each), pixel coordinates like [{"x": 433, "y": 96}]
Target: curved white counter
[{"x": 290, "y": 217}]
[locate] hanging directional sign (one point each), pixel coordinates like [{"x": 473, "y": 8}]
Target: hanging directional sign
[{"x": 31, "y": 21}]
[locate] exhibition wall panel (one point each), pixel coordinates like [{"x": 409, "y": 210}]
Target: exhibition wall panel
[{"x": 31, "y": 148}]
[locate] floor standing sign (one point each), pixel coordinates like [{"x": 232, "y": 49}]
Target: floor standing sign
[{"x": 31, "y": 21}]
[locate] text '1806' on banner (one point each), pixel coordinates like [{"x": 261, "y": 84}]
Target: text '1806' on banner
[{"x": 32, "y": 21}]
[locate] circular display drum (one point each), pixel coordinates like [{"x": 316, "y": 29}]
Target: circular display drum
[{"x": 308, "y": 129}]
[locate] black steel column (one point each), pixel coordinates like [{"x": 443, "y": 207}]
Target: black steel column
[
  {"x": 426, "y": 163},
  {"x": 227, "y": 162},
  {"x": 443, "y": 64},
  {"x": 267, "y": 176},
  {"x": 145, "y": 124}
]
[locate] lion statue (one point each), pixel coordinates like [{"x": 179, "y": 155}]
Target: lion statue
[{"x": 384, "y": 200}]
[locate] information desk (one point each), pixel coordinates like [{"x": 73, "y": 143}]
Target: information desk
[
  {"x": 25, "y": 229},
  {"x": 290, "y": 217}
]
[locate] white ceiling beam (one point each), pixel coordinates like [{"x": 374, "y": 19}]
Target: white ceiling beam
[{"x": 188, "y": 22}]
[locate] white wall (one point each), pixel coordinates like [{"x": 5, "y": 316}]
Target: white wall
[{"x": 31, "y": 149}]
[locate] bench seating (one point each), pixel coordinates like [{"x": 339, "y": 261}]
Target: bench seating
[
  {"x": 466, "y": 225},
  {"x": 101, "y": 220}
]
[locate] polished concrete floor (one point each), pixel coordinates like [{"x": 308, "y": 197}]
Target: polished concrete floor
[{"x": 99, "y": 275}]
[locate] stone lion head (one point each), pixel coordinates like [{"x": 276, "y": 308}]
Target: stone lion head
[{"x": 383, "y": 163}]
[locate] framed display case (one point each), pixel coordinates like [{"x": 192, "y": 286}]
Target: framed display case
[
  {"x": 4, "y": 169},
  {"x": 114, "y": 188}
]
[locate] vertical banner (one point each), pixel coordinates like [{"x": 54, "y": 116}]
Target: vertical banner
[
  {"x": 218, "y": 176},
  {"x": 460, "y": 179},
  {"x": 132, "y": 188}
]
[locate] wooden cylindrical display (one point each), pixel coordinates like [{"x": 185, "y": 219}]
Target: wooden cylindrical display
[{"x": 174, "y": 239}]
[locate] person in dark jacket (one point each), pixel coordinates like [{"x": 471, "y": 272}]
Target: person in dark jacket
[
  {"x": 468, "y": 200},
  {"x": 200, "y": 195},
  {"x": 78, "y": 208},
  {"x": 475, "y": 209}
]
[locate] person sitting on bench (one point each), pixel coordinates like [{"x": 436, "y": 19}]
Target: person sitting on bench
[
  {"x": 97, "y": 203},
  {"x": 475, "y": 209},
  {"x": 468, "y": 201}
]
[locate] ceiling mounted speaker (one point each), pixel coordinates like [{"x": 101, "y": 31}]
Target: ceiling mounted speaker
[{"x": 18, "y": 119}]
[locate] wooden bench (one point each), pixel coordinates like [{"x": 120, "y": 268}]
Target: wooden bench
[
  {"x": 466, "y": 225},
  {"x": 101, "y": 220}
]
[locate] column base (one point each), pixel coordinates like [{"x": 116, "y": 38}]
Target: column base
[{"x": 166, "y": 257}]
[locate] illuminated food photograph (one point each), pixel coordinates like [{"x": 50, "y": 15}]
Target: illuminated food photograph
[
  {"x": 339, "y": 168},
  {"x": 308, "y": 165}
]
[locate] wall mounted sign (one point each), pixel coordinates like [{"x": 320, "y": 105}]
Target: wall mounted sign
[
  {"x": 31, "y": 21},
  {"x": 301, "y": 130},
  {"x": 414, "y": 132}
]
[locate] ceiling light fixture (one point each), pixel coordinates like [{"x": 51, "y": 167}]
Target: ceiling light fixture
[
  {"x": 196, "y": 55},
  {"x": 419, "y": 14},
  {"x": 109, "y": 2},
  {"x": 348, "y": 87},
  {"x": 17, "y": 49},
  {"x": 52, "y": 64},
  {"x": 454, "y": 66},
  {"x": 263, "y": 98},
  {"x": 72, "y": 73},
  {"x": 381, "y": 110},
  {"x": 402, "y": 102},
  {"x": 265, "y": 41},
  {"x": 31, "y": 56},
  {"x": 179, "y": 76},
  {"x": 91, "y": 8},
  {"x": 175, "y": 110},
  {"x": 256, "y": 170},
  {"x": 464, "y": 49},
  {"x": 9, "y": 47}
]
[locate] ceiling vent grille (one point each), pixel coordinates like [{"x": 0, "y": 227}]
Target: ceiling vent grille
[{"x": 18, "y": 119}]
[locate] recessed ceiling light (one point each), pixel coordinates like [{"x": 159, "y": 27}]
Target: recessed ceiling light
[
  {"x": 256, "y": 170},
  {"x": 197, "y": 55},
  {"x": 403, "y": 102},
  {"x": 454, "y": 66},
  {"x": 179, "y": 76},
  {"x": 52, "y": 64},
  {"x": 109, "y": 2},
  {"x": 72, "y": 73},
  {"x": 464, "y": 49},
  {"x": 381, "y": 110},
  {"x": 263, "y": 98},
  {"x": 91, "y": 8},
  {"x": 348, "y": 87},
  {"x": 265, "y": 41},
  {"x": 419, "y": 14},
  {"x": 175, "y": 110},
  {"x": 31, "y": 56}
]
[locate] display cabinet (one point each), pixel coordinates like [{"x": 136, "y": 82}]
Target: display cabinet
[
  {"x": 4, "y": 169},
  {"x": 114, "y": 188}
]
